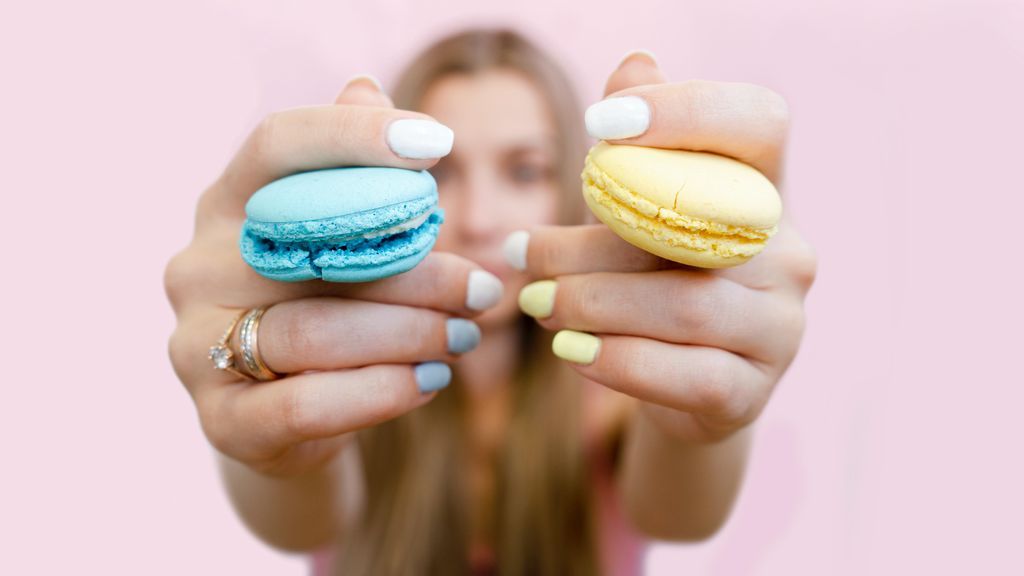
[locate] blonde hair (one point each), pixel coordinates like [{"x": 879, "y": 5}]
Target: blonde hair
[{"x": 415, "y": 520}]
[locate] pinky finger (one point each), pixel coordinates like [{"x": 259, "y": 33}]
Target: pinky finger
[
  {"x": 258, "y": 422},
  {"x": 705, "y": 381}
]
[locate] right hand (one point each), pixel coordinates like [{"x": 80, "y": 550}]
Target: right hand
[{"x": 349, "y": 349}]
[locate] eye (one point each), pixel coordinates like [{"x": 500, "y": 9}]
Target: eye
[{"x": 528, "y": 173}]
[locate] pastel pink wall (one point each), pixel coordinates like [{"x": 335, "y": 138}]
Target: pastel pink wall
[{"x": 892, "y": 446}]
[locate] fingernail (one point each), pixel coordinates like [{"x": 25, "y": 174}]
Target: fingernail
[
  {"x": 615, "y": 118},
  {"x": 578, "y": 347},
  {"x": 365, "y": 78},
  {"x": 639, "y": 52},
  {"x": 431, "y": 376},
  {"x": 515, "y": 249},
  {"x": 538, "y": 298},
  {"x": 416, "y": 139},
  {"x": 483, "y": 290},
  {"x": 463, "y": 335}
]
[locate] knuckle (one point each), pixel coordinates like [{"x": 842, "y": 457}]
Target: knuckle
[
  {"x": 210, "y": 206},
  {"x": 440, "y": 281},
  {"x": 703, "y": 95},
  {"x": 295, "y": 334},
  {"x": 387, "y": 400},
  {"x": 703, "y": 91},
  {"x": 775, "y": 109},
  {"x": 179, "y": 349},
  {"x": 178, "y": 278},
  {"x": 263, "y": 138},
  {"x": 344, "y": 128},
  {"x": 191, "y": 273},
  {"x": 697, "y": 313},
  {"x": 788, "y": 324},
  {"x": 633, "y": 366},
  {"x": 544, "y": 255},
  {"x": 793, "y": 320},
  {"x": 579, "y": 300},
  {"x": 640, "y": 370},
  {"x": 423, "y": 328},
  {"x": 213, "y": 425},
  {"x": 297, "y": 417},
  {"x": 719, "y": 387},
  {"x": 800, "y": 263},
  {"x": 804, "y": 267}
]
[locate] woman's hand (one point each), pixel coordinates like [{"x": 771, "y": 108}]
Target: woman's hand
[
  {"x": 351, "y": 350},
  {"x": 703, "y": 349}
]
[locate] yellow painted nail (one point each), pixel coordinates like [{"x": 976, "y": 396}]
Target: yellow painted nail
[
  {"x": 578, "y": 347},
  {"x": 538, "y": 299}
]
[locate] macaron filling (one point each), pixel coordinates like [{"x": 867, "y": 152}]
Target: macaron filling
[
  {"x": 345, "y": 226},
  {"x": 666, "y": 224},
  {"x": 321, "y": 248}
]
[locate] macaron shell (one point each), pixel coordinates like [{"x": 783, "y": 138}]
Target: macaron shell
[
  {"x": 333, "y": 192},
  {"x": 315, "y": 224},
  {"x": 344, "y": 225},
  {"x": 696, "y": 184}
]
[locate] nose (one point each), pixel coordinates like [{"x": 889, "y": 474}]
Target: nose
[{"x": 480, "y": 219}]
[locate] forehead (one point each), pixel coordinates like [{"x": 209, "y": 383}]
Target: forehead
[{"x": 490, "y": 109}]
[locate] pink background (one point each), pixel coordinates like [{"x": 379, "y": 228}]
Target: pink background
[{"x": 892, "y": 446}]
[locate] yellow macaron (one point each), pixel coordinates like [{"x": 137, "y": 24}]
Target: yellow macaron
[{"x": 693, "y": 208}]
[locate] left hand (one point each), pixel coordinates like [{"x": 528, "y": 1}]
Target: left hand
[{"x": 702, "y": 349}]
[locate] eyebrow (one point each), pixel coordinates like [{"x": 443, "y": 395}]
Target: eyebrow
[{"x": 546, "y": 144}]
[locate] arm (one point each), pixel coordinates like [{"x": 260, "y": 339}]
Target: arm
[
  {"x": 293, "y": 513},
  {"x": 279, "y": 441},
  {"x": 701, "y": 349},
  {"x": 676, "y": 489}
]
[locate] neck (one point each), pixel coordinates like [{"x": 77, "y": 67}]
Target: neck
[
  {"x": 486, "y": 375},
  {"x": 487, "y": 371}
]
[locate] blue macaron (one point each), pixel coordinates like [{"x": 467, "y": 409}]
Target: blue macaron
[{"x": 341, "y": 224}]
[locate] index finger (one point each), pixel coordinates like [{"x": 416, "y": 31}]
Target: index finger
[
  {"x": 742, "y": 121},
  {"x": 362, "y": 128},
  {"x": 316, "y": 137}
]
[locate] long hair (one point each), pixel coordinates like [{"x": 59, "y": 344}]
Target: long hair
[{"x": 415, "y": 519}]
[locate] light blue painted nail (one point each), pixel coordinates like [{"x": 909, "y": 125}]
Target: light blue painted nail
[
  {"x": 463, "y": 335},
  {"x": 431, "y": 376}
]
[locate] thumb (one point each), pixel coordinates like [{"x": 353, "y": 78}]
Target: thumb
[
  {"x": 364, "y": 90},
  {"x": 637, "y": 68}
]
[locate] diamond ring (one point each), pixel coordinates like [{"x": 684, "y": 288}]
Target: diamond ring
[{"x": 221, "y": 354}]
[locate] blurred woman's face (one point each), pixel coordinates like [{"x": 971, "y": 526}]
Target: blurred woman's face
[{"x": 501, "y": 174}]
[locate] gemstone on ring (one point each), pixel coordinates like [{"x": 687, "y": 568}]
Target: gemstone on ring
[{"x": 222, "y": 356}]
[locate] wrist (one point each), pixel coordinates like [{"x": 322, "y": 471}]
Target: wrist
[{"x": 686, "y": 428}]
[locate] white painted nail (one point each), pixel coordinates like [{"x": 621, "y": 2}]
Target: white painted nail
[
  {"x": 483, "y": 291},
  {"x": 417, "y": 139},
  {"x": 650, "y": 55},
  {"x": 615, "y": 118},
  {"x": 515, "y": 249}
]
